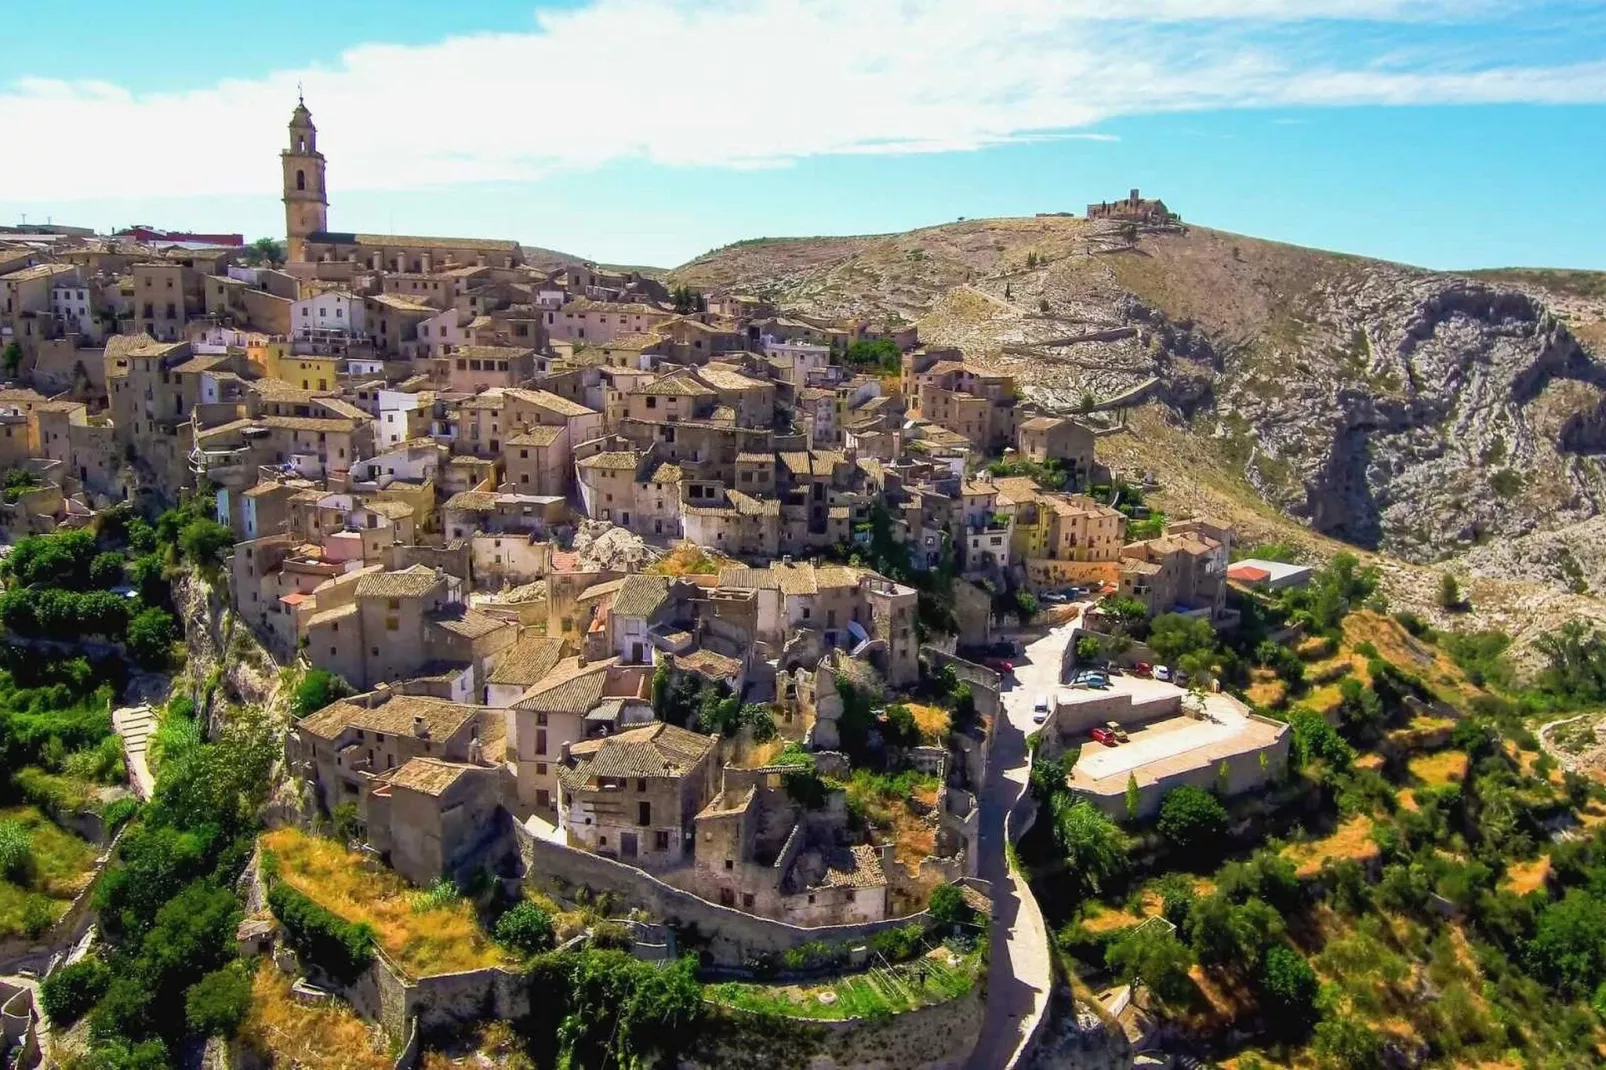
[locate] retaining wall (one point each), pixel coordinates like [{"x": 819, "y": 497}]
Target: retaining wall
[
  {"x": 938, "y": 1037},
  {"x": 732, "y": 937}
]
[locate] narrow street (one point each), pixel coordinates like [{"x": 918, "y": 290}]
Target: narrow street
[{"x": 1019, "y": 973}]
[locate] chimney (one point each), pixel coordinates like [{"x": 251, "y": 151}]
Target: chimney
[
  {"x": 1134, "y": 196},
  {"x": 563, "y": 751},
  {"x": 420, "y": 726}
]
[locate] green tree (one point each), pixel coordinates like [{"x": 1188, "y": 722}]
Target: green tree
[
  {"x": 203, "y": 541},
  {"x": 151, "y": 635},
  {"x": 1174, "y": 636},
  {"x": 878, "y": 354},
  {"x": 1152, "y": 954},
  {"x": 318, "y": 688},
  {"x": 11, "y": 358},
  {"x": 526, "y": 929},
  {"x": 1568, "y": 948},
  {"x": 265, "y": 252},
  {"x": 1094, "y": 847},
  {"x": 1232, "y": 935},
  {"x": 1192, "y": 819},
  {"x": 217, "y": 1003},
  {"x": 1288, "y": 987},
  {"x": 120, "y": 1054},
  {"x": 947, "y": 906},
  {"x": 1133, "y": 798},
  {"x": 106, "y": 570},
  {"x": 1026, "y": 602},
  {"x": 69, "y": 992}
]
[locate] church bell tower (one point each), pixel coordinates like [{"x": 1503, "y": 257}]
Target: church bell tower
[{"x": 306, "y": 204}]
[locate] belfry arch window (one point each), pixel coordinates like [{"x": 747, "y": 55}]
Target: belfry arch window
[{"x": 301, "y": 180}]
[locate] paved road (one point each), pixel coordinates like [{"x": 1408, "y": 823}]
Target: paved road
[{"x": 1019, "y": 974}]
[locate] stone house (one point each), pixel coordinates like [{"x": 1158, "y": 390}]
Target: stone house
[
  {"x": 1055, "y": 438},
  {"x": 553, "y": 714},
  {"x": 431, "y": 819},
  {"x": 635, "y": 796}
]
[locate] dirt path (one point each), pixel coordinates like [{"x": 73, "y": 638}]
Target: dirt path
[{"x": 136, "y": 724}]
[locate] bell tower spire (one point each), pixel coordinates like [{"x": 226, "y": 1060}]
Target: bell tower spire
[{"x": 306, "y": 201}]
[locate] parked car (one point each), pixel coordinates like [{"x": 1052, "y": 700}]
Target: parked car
[
  {"x": 1179, "y": 678},
  {"x": 1112, "y": 669},
  {"x": 1119, "y": 732},
  {"x": 1104, "y": 736},
  {"x": 1053, "y": 598},
  {"x": 1001, "y": 666},
  {"x": 1098, "y": 680},
  {"x": 1004, "y": 648},
  {"x": 1040, "y": 711},
  {"x": 1162, "y": 673},
  {"x": 1143, "y": 668}
]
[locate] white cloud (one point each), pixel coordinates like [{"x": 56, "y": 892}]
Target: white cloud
[{"x": 746, "y": 84}]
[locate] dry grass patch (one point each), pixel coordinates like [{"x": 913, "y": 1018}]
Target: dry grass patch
[
  {"x": 327, "y": 1036},
  {"x": 934, "y": 721},
  {"x": 1524, "y": 877},
  {"x": 1266, "y": 688},
  {"x": 1351, "y": 841},
  {"x": 1437, "y": 770},
  {"x": 446, "y": 939}
]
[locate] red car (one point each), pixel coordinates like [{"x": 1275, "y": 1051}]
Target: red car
[
  {"x": 1143, "y": 668},
  {"x": 1002, "y": 666},
  {"x": 1104, "y": 736}
]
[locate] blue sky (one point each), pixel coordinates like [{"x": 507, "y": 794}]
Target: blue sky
[{"x": 647, "y": 131}]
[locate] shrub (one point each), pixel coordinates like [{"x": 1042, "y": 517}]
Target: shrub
[
  {"x": 339, "y": 947},
  {"x": 71, "y": 991},
  {"x": 151, "y": 635},
  {"x": 318, "y": 688},
  {"x": 37, "y": 915},
  {"x": 106, "y": 570},
  {"x": 217, "y": 1003},
  {"x": 1094, "y": 846},
  {"x": 526, "y": 929},
  {"x": 947, "y": 906},
  {"x": 1288, "y": 988},
  {"x": 902, "y": 942},
  {"x": 1192, "y": 818},
  {"x": 204, "y": 540},
  {"x": 16, "y": 852},
  {"x": 1153, "y": 955}
]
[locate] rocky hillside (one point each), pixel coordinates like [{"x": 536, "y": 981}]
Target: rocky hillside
[{"x": 1417, "y": 413}]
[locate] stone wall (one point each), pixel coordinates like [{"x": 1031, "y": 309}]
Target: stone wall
[
  {"x": 439, "y": 1004},
  {"x": 938, "y": 1037},
  {"x": 732, "y": 936}
]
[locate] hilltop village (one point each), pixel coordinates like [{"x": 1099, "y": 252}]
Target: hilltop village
[{"x": 732, "y": 620}]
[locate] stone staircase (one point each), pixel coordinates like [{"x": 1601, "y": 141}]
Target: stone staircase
[{"x": 136, "y": 724}]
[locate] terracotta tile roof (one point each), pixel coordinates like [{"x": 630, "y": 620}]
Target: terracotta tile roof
[
  {"x": 747, "y": 505},
  {"x": 755, "y": 458},
  {"x": 749, "y": 579},
  {"x": 467, "y": 622},
  {"x": 1044, "y": 423},
  {"x": 204, "y": 362},
  {"x": 394, "y": 717},
  {"x": 536, "y": 436},
  {"x": 398, "y": 303},
  {"x": 675, "y": 385},
  {"x": 474, "y": 501},
  {"x": 641, "y": 596},
  {"x": 615, "y": 461},
  {"x": 329, "y": 616},
  {"x": 526, "y": 661},
  {"x": 655, "y": 750},
  {"x": 722, "y": 378},
  {"x": 568, "y": 688},
  {"x": 665, "y": 472},
  {"x": 707, "y": 663},
  {"x": 548, "y": 400},
  {"x": 812, "y": 462},
  {"x": 428, "y": 776},
  {"x": 408, "y": 583},
  {"x": 407, "y": 241}
]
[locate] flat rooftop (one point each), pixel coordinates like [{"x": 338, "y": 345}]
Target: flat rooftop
[{"x": 1165, "y": 736}]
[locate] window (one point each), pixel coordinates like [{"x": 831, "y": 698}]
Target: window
[
  {"x": 540, "y": 741},
  {"x": 641, "y": 784},
  {"x": 730, "y": 864},
  {"x": 301, "y": 180},
  {"x": 644, "y": 813},
  {"x": 660, "y": 840}
]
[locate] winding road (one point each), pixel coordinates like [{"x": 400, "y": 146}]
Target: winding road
[{"x": 1019, "y": 972}]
